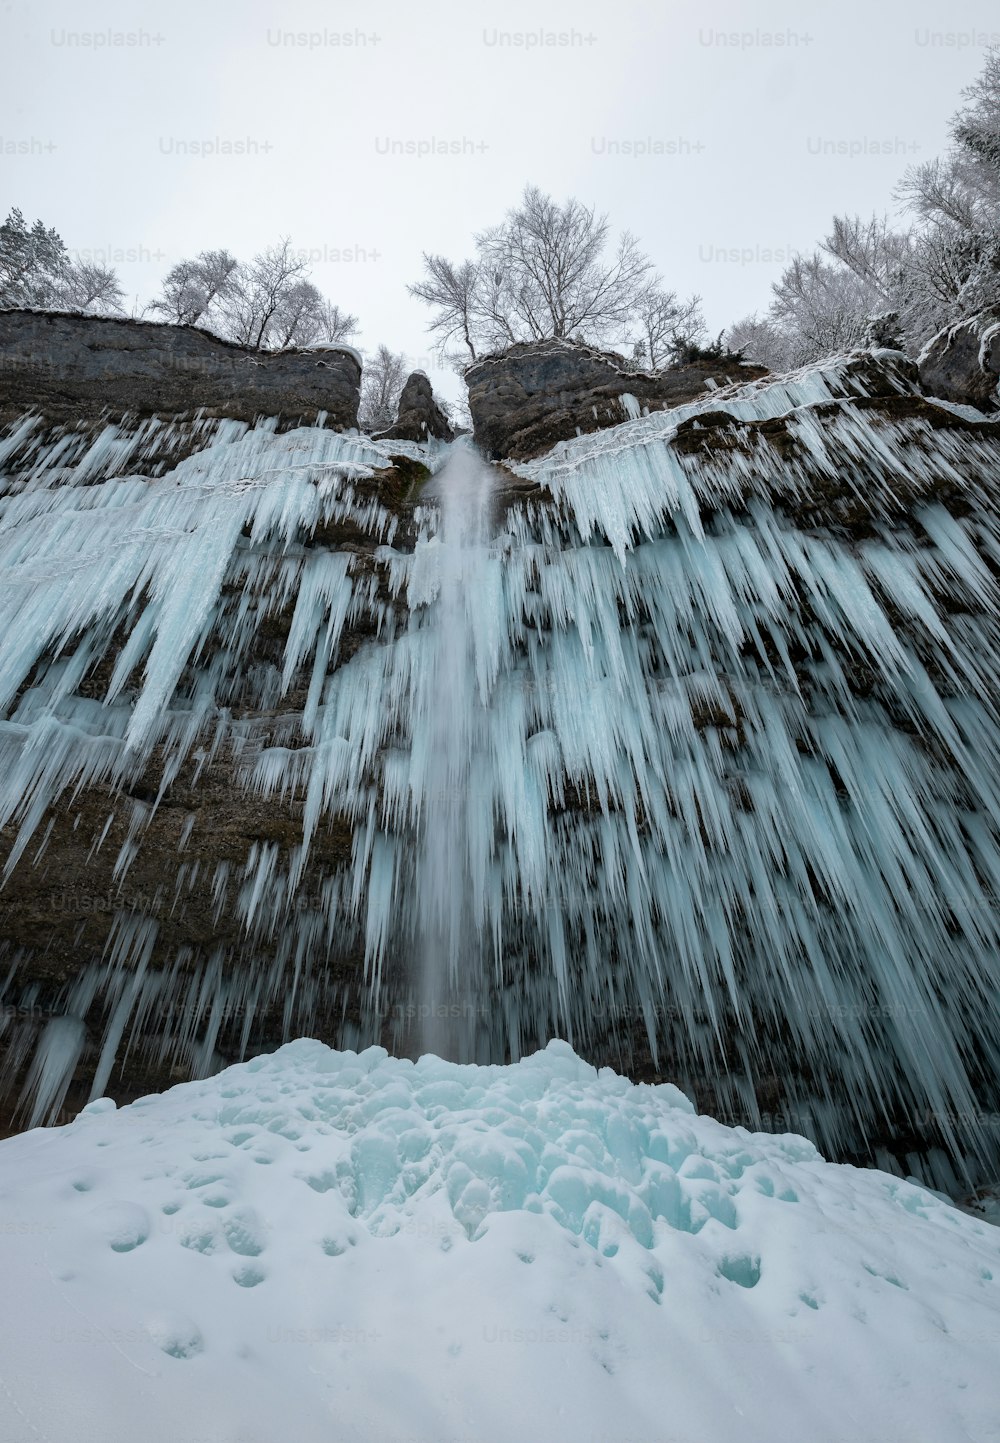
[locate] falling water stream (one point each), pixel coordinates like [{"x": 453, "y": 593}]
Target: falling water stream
[{"x": 451, "y": 725}]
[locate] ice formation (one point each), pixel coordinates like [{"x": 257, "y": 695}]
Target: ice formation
[
  {"x": 318, "y": 1244},
  {"x": 724, "y": 762},
  {"x": 451, "y": 738}
]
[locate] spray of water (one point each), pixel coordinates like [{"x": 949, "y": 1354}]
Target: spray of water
[{"x": 454, "y": 731}]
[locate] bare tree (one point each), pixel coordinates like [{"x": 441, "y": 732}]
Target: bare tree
[
  {"x": 193, "y": 287},
  {"x": 545, "y": 271},
  {"x": 334, "y": 324},
  {"x": 662, "y": 322},
  {"x": 255, "y": 292},
  {"x": 303, "y": 317},
  {"x": 761, "y": 340},
  {"x": 382, "y": 380},
  {"x": 453, "y": 291},
  {"x": 82, "y": 286}
]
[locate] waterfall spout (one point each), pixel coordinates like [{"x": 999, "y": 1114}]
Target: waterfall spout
[{"x": 451, "y": 725}]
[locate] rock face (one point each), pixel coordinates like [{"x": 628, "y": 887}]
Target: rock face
[
  {"x": 962, "y": 362},
  {"x": 540, "y": 392},
  {"x": 73, "y": 368},
  {"x": 418, "y": 416}
]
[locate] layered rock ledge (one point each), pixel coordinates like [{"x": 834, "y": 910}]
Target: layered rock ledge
[
  {"x": 76, "y": 368},
  {"x": 538, "y": 393}
]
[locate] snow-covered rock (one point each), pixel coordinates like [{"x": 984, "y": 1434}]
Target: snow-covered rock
[
  {"x": 962, "y": 362},
  {"x": 535, "y": 394}
]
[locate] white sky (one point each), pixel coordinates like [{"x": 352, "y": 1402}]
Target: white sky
[{"x": 741, "y": 129}]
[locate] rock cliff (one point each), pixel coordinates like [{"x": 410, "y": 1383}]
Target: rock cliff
[
  {"x": 540, "y": 392},
  {"x": 73, "y": 368}
]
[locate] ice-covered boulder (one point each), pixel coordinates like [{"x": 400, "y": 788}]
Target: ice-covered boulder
[
  {"x": 962, "y": 362},
  {"x": 540, "y": 392}
]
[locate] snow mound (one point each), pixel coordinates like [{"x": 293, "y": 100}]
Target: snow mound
[{"x": 328, "y": 1244}]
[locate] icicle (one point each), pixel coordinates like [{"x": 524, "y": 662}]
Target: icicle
[{"x": 670, "y": 750}]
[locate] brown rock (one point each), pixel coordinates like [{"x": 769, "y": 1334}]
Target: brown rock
[
  {"x": 74, "y": 367},
  {"x": 541, "y": 392},
  {"x": 418, "y": 415},
  {"x": 962, "y": 362}
]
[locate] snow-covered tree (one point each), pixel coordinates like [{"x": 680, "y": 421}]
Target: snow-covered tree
[
  {"x": 85, "y": 286},
  {"x": 294, "y": 321},
  {"x": 382, "y": 381},
  {"x": 977, "y": 124},
  {"x": 762, "y": 340},
  {"x": 268, "y": 303},
  {"x": 664, "y": 323},
  {"x": 36, "y": 270},
  {"x": 193, "y": 288},
  {"x": 303, "y": 317},
  {"x": 874, "y": 253},
  {"x": 956, "y": 267},
  {"x": 943, "y": 266},
  {"x": 333, "y": 324},
  {"x": 555, "y": 274},
  {"x": 453, "y": 291},
  {"x": 823, "y": 303},
  {"x": 255, "y": 294},
  {"x": 32, "y": 260},
  {"x": 546, "y": 270},
  {"x": 818, "y": 307}
]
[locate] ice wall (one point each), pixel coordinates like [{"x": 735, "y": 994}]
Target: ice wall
[{"x": 724, "y": 762}]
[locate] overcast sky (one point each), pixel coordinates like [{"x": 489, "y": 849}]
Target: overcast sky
[{"x": 724, "y": 136}]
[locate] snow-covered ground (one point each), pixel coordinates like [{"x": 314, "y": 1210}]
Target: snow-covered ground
[{"x": 321, "y": 1245}]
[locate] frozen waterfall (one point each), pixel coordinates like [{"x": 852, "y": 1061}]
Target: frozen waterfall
[
  {"x": 681, "y": 743},
  {"x": 451, "y": 732}
]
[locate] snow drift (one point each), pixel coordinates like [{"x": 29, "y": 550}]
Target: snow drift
[{"x": 318, "y": 1244}]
